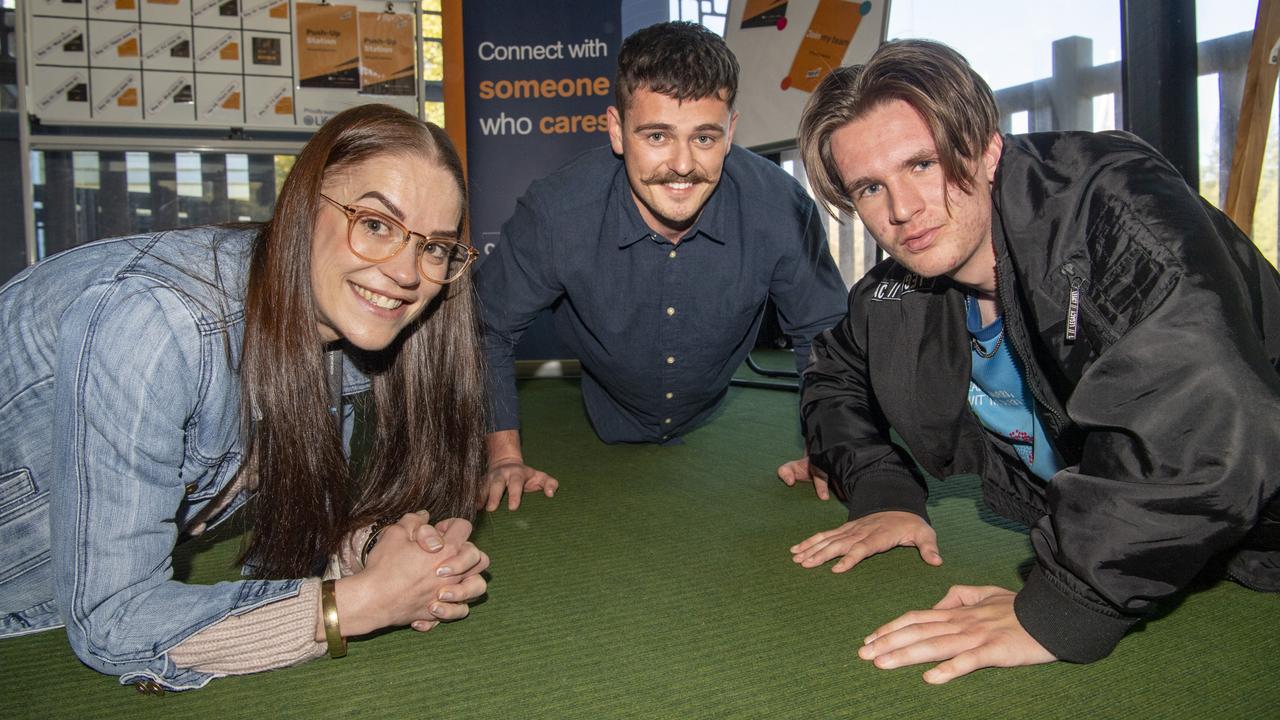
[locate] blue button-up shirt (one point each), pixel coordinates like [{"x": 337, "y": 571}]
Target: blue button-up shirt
[{"x": 659, "y": 327}]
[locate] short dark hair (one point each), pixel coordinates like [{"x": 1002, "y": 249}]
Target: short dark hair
[
  {"x": 955, "y": 102},
  {"x": 681, "y": 60}
]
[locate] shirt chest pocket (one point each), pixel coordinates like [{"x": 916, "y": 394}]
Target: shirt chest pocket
[
  {"x": 14, "y": 486},
  {"x": 24, "y": 523},
  {"x": 212, "y": 454}
]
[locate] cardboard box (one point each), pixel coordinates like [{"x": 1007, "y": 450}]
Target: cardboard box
[
  {"x": 115, "y": 44},
  {"x": 167, "y": 47},
  {"x": 172, "y": 12},
  {"x": 268, "y": 53},
  {"x": 121, "y": 10},
  {"x": 63, "y": 94},
  {"x": 266, "y": 15},
  {"x": 215, "y": 13},
  {"x": 219, "y": 50},
  {"x": 220, "y": 99},
  {"x": 116, "y": 94},
  {"x": 58, "y": 41},
  {"x": 169, "y": 96},
  {"x": 59, "y": 8},
  {"x": 269, "y": 101}
]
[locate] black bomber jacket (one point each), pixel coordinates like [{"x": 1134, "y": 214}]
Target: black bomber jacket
[{"x": 1149, "y": 329}]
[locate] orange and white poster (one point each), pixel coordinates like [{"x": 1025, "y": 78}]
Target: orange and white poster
[
  {"x": 328, "y": 46},
  {"x": 824, "y": 44},
  {"x": 785, "y": 48},
  {"x": 387, "y": 51},
  {"x": 764, "y": 13}
]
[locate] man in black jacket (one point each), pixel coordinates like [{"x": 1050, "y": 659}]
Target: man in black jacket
[{"x": 1062, "y": 316}]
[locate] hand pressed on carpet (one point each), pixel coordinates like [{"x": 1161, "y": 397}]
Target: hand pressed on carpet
[{"x": 970, "y": 628}]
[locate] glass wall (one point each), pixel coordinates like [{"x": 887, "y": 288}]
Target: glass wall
[
  {"x": 81, "y": 196},
  {"x": 433, "y": 62},
  {"x": 1056, "y": 66},
  {"x": 85, "y": 195},
  {"x": 707, "y": 12},
  {"x": 1224, "y": 32}
]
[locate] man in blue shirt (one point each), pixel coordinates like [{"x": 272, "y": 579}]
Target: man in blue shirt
[{"x": 657, "y": 255}]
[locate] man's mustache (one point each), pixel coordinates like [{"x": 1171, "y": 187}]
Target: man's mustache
[{"x": 670, "y": 177}]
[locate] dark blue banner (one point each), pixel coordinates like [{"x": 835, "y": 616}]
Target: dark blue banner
[{"x": 539, "y": 77}]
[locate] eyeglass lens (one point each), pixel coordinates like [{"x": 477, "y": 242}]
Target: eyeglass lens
[{"x": 379, "y": 238}]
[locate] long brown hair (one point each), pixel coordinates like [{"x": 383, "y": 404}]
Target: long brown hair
[
  {"x": 955, "y": 102},
  {"x": 429, "y": 406}
]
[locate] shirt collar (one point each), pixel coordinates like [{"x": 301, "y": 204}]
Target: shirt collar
[{"x": 711, "y": 223}]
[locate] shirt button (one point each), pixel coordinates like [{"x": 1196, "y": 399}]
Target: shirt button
[
  {"x": 671, "y": 359},
  {"x": 667, "y": 421},
  {"x": 671, "y": 311},
  {"x": 671, "y": 254},
  {"x": 670, "y": 395}
]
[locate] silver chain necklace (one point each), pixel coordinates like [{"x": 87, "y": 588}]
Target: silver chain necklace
[{"x": 977, "y": 346}]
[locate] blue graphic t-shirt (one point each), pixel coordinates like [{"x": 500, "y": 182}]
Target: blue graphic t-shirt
[{"x": 999, "y": 396}]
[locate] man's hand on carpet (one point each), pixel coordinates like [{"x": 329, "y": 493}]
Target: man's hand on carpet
[
  {"x": 970, "y": 628},
  {"x": 514, "y": 478},
  {"x": 796, "y": 471},
  {"x": 859, "y": 539}
]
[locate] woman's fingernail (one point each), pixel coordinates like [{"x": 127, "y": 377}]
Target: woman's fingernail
[
  {"x": 434, "y": 543},
  {"x": 446, "y": 570},
  {"x": 446, "y": 596}
]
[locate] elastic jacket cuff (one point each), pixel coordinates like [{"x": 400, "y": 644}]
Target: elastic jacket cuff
[
  {"x": 884, "y": 489},
  {"x": 1063, "y": 624}
]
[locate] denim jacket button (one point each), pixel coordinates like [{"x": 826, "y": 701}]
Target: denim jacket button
[{"x": 149, "y": 687}]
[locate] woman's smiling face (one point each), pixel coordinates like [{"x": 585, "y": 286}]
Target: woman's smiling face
[{"x": 365, "y": 303}]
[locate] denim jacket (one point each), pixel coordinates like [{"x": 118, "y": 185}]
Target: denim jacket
[{"x": 119, "y": 422}]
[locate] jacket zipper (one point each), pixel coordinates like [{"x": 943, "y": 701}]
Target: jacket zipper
[
  {"x": 1032, "y": 375},
  {"x": 1073, "y": 304}
]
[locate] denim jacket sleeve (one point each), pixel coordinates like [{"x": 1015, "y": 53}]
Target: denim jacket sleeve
[{"x": 131, "y": 376}]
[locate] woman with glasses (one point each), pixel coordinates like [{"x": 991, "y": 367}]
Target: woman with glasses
[{"x": 154, "y": 385}]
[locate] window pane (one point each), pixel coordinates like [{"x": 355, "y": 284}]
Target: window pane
[
  {"x": 1017, "y": 55},
  {"x": 431, "y": 5},
  {"x": 1265, "y": 209},
  {"x": 138, "y": 171},
  {"x": 434, "y": 112},
  {"x": 431, "y": 26},
  {"x": 1224, "y": 30},
  {"x": 86, "y": 170},
  {"x": 432, "y": 61},
  {"x": 283, "y": 164},
  {"x": 237, "y": 177},
  {"x": 189, "y": 177}
]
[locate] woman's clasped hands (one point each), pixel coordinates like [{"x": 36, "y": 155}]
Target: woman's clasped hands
[{"x": 417, "y": 574}]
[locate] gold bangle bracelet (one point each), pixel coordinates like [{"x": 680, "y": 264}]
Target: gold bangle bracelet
[{"x": 329, "y": 610}]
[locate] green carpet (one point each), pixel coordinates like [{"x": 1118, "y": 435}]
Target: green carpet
[{"x": 657, "y": 584}]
